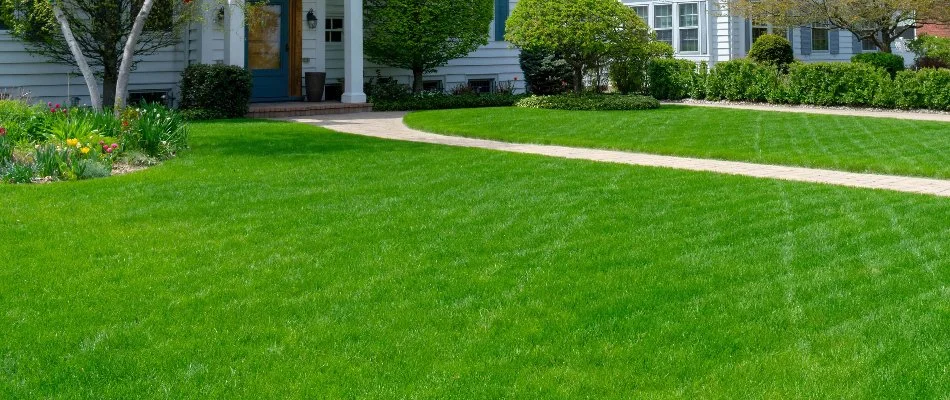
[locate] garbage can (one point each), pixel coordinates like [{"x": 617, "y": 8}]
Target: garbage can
[{"x": 315, "y": 82}]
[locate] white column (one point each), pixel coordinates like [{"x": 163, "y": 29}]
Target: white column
[
  {"x": 320, "y": 59},
  {"x": 234, "y": 34},
  {"x": 353, "y": 52}
]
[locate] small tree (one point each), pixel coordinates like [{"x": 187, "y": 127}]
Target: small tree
[
  {"x": 586, "y": 33},
  {"x": 108, "y": 36},
  {"x": 880, "y": 21},
  {"x": 545, "y": 73},
  {"x": 422, "y": 35}
]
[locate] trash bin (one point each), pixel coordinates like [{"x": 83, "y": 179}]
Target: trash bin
[{"x": 315, "y": 82}]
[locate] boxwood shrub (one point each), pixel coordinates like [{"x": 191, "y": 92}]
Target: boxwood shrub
[
  {"x": 839, "y": 84},
  {"x": 215, "y": 91},
  {"x": 891, "y": 63},
  {"x": 744, "y": 80},
  {"x": 442, "y": 101},
  {"x": 590, "y": 102},
  {"x": 670, "y": 79},
  {"x": 924, "y": 89}
]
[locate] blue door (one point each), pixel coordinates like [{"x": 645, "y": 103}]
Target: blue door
[{"x": 268, "y": 52}]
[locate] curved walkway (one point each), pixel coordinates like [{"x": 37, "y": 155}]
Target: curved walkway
[{"x": 390, "y": 126}]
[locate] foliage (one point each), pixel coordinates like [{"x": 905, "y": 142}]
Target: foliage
[
  {"x": 891, "y": 63},
  {"x": 931, "y": 51},
  {"x": 880, "y": 21},
  {"x": 772, "y": 50},
  {"x": 743, "y": 80},
  {"x": 100, "y": 28},
  {"x": 442, "y": 101},
  {"x": 545, "y": 72},
  {"x": 593, "y": 102},
  {"x": 81, "y": 143},
  {"x": 700, "y": 80},
  {"x": 670, "y": 79},
  {"x": 586, "y": 33},
  {"x": 923, "y": 89},
  {"x": 839, "y": 84},
  {"x": 628, "y": 71},
  {"x": 385, "y": 88},
  {"x": 422, "y": 35},
  {"x": 218, "y": 91}
]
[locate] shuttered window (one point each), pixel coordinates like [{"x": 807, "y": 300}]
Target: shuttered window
[{"x": 501, "y": 19}]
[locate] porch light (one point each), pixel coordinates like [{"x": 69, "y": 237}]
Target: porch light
[{"x": 311, "y": 19}]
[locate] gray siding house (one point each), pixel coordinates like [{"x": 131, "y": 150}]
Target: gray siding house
[{"x": 698, "y": 30}]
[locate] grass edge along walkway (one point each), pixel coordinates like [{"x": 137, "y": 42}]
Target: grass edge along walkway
[{"x": 389, "y": 125}]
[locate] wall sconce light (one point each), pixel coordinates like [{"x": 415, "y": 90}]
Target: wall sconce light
[
  {"x": 311, "y": 19},
  {"x": 219, "y": 16}
]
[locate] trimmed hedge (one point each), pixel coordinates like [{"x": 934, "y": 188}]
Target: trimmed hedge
[
  {"x": 440, "y": 101},
  {"x": 744, "y": 80},
  {"x": 772, "y": 50},
  {"x": 670, "y": 79},
  {"x": 839, "y": 84},
  {"x": 891, "y": 63},
  {"x": 590, "y": 103},
  {"x": 924, "y": 89},
  {"x": 215, "y": 91}
]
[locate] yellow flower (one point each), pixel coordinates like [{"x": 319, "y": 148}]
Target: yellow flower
[
  {"x": 72, "y": 142},
  {"x": 84, "y": 150}
]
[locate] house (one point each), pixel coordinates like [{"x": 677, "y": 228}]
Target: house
[
  {"x": 326, "y": 36},
  {"x": 935, "y": 30}
]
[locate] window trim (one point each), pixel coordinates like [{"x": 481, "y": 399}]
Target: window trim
[
  {"x": 646, "y": 17},
  {"x": 492, "y": 83},
  {"x": 680, "y": 28},
  {"x": 328, "y": 30}
]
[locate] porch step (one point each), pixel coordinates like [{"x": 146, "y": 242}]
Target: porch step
[{"x": 301, "y": 109}]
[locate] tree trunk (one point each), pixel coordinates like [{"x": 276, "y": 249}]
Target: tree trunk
[
  {"x": 886, "y": 42},
  {"x": 81, "y": 62},
  {"x": 122, "y": 83},
  {"x": 417, "y": 80},
  {"x": 578, "y": 79},
  {"x": 110, "y": 78}
]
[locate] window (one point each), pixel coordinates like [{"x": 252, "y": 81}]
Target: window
[
  {"x": 481, "y": 85},
  {"x": 819, "y": 39},
  {"x": 3, "y": 27},
  {"x": 909, "y": 34},
  {"x": 689, "y": 27},
  {"x": 334, "y": 32},
  {"x": 759, "y": 29},
  {"x": 868, "y": 45},
  {"x": 643, "y": 12},
  {"x": 663, "y": 23},
  {"x": 433, "y": 86}
]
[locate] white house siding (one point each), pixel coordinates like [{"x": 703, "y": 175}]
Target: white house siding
[{"x": 23, "y": 73}]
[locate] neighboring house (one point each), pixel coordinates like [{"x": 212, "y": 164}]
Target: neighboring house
[
  {"x": 326, "y": 36},
  {"x": 935, "y": 30}
]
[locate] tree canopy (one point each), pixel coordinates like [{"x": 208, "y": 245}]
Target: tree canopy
[
  {"x": 422, "y": 35},
  {"x": 880, "y": 21},
  {"x": 586, "y": 33}
]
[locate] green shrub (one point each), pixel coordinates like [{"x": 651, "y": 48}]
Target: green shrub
[
  {"x": 932, "y": 51},
  {"x": 924, "y": 89},
  {"x": 90, "y": 169},
  {"x": 891, "y": 63},
  {"x": 700, "y": 79},
  {"x": 839, "y": 84},
  {"x": 772, "y": 50},
  {"x": 629, "y": 72},
  {"x": 444, "y": 101},
  {"x": 670, "y": 79},
  {"x": 6, "y": 146},
  {"x": 156, "y": 131},
  {"x": 17, "y": 172},
  {"x": 221, "y": 91},
  {"x": 590, "y": 102},
  {"x": 385, "y": 88},
  {"x": 545, "y": 73},
  {"x": 744, "y": 80},
  {"x": 23, "y": 121}
]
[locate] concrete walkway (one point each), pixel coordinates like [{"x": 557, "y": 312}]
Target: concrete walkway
[
  {"x": 850, "y": 112},
  {"x": 390, "y": 126}
]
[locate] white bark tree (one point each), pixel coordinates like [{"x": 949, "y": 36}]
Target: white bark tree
[
  {"x": 125, "y": 69},
  {"x": 81, "y": 61}
]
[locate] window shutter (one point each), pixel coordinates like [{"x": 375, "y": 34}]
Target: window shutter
[
  {"x": 857, "y": 47},
  {"x": 834, "y": 41},
  {"x": 501, "y": 18},
  {"x": 806, "y": 40},
  {"x": 705, "y": 29},
  {"x": 748, "y": 35}
]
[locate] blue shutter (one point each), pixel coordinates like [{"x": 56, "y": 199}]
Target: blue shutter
[
  {"x": 806, "y": 40},
  {"x": 856, "y": 44},
  {"x": 748, "y": 35},
  {"x": 834, "y": 39},
  {"x": 501, "y": 18}
]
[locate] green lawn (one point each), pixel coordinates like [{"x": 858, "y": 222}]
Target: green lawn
[
  {"x": 889, "y": 146},
  {"x": 285, "y": 261}
]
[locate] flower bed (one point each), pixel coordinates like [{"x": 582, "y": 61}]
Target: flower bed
[{"x": 56, "y": 143}]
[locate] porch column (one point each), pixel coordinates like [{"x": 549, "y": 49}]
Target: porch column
[
  {"x": 353, "y": 52},
  {"x": 234, "y": 34}
]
